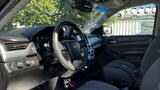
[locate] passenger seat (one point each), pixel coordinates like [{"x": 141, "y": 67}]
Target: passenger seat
[{"x": 124, "y": 72}]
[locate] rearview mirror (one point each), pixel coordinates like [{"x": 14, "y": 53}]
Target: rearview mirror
[{"x": 84, "y": 5}]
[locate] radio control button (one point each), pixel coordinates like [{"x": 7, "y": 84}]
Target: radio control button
[
  {"x": 20, "y": 65},
  {"x": 33, "y": 62},
  {"x": 28, "y": 63}
]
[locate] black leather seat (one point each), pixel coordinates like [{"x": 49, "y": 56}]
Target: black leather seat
[
  {"x": 126, "y": 71},
  {"x": 151, "y": 80},
  {"x": 97, "y": 85},
  {"x": 120, "y": 72}
]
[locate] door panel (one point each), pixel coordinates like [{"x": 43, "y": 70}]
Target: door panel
[
  {"x": 130, "y": 35},
  {"x": 127, "y": 48}
]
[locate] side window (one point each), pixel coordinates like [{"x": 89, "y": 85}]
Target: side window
[{"x": 132, "y": 21}]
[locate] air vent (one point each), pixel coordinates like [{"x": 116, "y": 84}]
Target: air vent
[{"x": 16, "y": 46}]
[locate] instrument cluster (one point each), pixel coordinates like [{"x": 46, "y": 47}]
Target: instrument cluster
[{"x": 43, "y": 43}]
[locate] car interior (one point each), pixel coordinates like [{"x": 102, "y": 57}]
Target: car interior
[{"x": 116, "y": 45}]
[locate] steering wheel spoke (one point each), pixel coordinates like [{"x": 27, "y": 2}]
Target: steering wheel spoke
[
  {"x": 61, "y": 46},
  {"x": 64, "y": 51},
  {"x": 66, "y": 56}
]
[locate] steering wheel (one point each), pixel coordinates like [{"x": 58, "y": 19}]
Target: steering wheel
[{"x": 72, "y": 54}]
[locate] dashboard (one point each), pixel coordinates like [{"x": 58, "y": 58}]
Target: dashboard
[
  {"x": 27, "y": 54},
  {"x": 42, "y": 38},
  {"x": 20, "y": 61}
]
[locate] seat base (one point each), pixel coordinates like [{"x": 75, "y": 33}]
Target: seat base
[
  {"x": 97, "y": 85},
  {"x": 120, "y": 72}
]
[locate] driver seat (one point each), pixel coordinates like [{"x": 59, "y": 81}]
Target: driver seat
[{"x": 151, "y": 80}]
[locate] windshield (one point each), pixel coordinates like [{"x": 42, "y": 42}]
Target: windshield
[{"x": 49, "y": 12}]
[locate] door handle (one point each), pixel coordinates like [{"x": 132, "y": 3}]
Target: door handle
[{"x": 112, "y": 41}]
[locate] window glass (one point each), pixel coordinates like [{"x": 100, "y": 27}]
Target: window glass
[
  {"x": 49, "y": 12},
  {"x": 132, "y": 21}
]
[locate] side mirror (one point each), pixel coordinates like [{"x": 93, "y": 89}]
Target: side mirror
[{"x": 107, "y": 30}]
